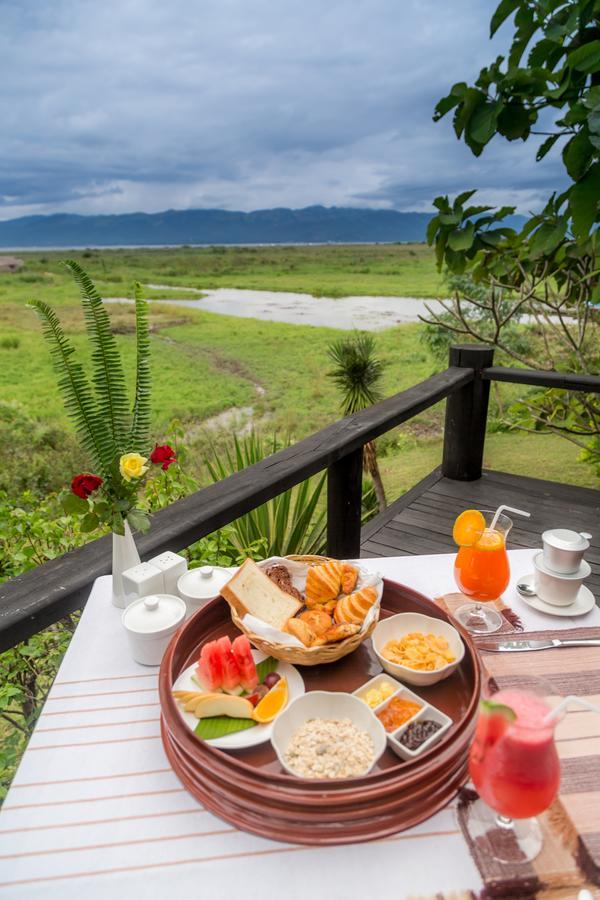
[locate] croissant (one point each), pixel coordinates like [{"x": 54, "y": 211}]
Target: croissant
[
  {"x": 302, "y": 631},
  {"x": 349, "y": 578},
  {"x": 317, "y": 619},
  {"x": 355, "y": 607},
  {"x": 323, "y": 583}
]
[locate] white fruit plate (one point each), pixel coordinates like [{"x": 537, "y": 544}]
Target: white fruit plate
[{"x": 252, "y": 736}]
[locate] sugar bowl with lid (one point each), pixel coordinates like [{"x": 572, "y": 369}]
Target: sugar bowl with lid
[{"x": 150, "y": 622}]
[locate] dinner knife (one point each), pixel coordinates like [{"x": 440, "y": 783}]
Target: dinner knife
[{"x": 547, "y": 644}]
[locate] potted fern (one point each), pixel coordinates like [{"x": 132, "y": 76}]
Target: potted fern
[{"x": 115, "y": 436}]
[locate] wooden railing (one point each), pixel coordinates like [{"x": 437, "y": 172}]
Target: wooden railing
[{"x": 47, "y": 593}]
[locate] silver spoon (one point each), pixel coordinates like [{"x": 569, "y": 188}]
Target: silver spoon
[{"x": 525, "y": 589}]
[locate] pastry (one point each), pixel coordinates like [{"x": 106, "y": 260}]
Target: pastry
[
  {"x": 302, "y": 631},
  {"x": 317, "y": 619},
  {"x": 349, "y": 578},
  {"x": 341, "y": 632},
  {"x": 355, "y": 607},
  {"x": 323, "y": 583}
]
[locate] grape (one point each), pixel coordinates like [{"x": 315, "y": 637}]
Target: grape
[
  {"x": 257, "y": 695},
  {"x": 271, "y": 679}
]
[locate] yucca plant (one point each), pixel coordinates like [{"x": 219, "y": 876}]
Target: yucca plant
[
  {"x": 357, "y": 373},
  {"x": 115, "y": 436},
  {"x": 293, "y": 522}
]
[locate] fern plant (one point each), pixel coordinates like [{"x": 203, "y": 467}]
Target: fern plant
[{"x": 115, "y": 437}]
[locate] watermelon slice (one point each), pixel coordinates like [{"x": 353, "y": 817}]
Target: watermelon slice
[
  {"x": 494, "y": 720},
  {"x": 210, "y": 667},
  {"x": 247, "y": 668},
  {"x": 231, "y": 672}
]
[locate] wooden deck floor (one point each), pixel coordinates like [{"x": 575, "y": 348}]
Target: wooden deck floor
[{"x": 421, "y": 521}]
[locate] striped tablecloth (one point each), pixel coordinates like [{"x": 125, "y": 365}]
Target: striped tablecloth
[{"x": 95, "y": 811}]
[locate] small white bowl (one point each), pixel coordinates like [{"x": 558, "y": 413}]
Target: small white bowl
[
  {"x": 555, "y": 589},
  {"x": 397, "y": 626},
  {"x": 325, "y": 705}
]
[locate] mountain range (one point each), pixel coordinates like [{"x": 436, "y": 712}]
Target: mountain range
[{"x": 313, "y": 224}]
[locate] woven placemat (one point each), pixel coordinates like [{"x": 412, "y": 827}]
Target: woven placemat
[{"x": 570, "y": 858}]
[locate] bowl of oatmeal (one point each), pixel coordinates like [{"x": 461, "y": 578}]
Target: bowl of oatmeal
[{"x": 325, "y": 735}]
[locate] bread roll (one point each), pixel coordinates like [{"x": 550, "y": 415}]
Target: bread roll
[{"x": 354, "y": 607}]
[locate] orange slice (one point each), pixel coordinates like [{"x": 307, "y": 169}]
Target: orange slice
[
  {"x": 468, "y": 528},
  {"x": 490, "y": 540},
  {"x": 272, "y": 703}
]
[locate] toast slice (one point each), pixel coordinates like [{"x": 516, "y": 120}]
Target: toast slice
[{"x": 251, "y": 591}]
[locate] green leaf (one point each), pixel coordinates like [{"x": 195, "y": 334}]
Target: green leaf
[
  {"x": 74, "y": 505},
  {"x": 265, "y": 668},
  {"x": 449, "y": 218},
  {"x": 583, "y": 202},
  {"x": 444, "y": 106},
  {"x": 577, "y": 155},
  {"x": 140, "y": 427},
  {"x": 461, "y": 239},
  {"x": 74, "y": 387},
  {"x": 139, "y": 520},
  {"x": 218, "y": 726},
  {"x": 586, "y": 58},
  {"x": 547, "y": 238},
  {"x": 109, "y": 377},
  {"x": 462, "y": 198},
  {"x": 514, "y": 121},
  {"x": 482, "y": 125},
  {"x": 432, "y": 227},
  {"x": 503, "y": 11},
  {"x": 546, "y": 146},
  {"x": 89, "y": 522}
]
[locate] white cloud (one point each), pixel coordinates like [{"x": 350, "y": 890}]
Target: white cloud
[{"x": 139, "y": 105}]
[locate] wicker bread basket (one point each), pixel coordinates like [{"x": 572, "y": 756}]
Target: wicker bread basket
[{"x": 305, "y": 656}]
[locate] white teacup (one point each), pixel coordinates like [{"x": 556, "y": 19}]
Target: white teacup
[{"x": 558, "y": 590}]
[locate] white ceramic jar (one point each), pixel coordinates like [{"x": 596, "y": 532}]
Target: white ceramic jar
[
  {"x": 198, "y": 586},
  {"x": 554, "y": 588},
  {"x": 564, "y": 549},
  {"x": 150, "y": 622}
]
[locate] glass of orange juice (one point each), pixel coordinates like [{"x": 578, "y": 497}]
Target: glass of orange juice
[{"x": 481, "y": 568}]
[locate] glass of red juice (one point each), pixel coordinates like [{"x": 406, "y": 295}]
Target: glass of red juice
[{"x": 515, "y": 768}]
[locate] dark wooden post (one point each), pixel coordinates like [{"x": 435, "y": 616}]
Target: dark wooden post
[
  {"x": 466, "y": 415},
  {"x": 344, "y": 495}
]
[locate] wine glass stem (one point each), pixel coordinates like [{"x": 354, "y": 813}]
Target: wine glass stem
[{"x": 504, "y": 822}]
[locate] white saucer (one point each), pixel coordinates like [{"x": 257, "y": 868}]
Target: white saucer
[{"x": 584, "y": 602}]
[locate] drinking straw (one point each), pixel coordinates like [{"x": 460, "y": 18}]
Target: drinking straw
[
  {"x": 501, "y": 509},
  {"x": 572, "y": 698}
]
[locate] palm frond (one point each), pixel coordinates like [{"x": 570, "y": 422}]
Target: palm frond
[
  {"x": 76, "y": 391},
  {"x": 109, "y": 377},
  {"x": 357, "y": 371},
  {"x": 292, "y": 522},
  {"x": 140, "y": 427}
]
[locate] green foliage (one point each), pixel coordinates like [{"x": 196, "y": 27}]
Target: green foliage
[
  {"x": 290, "y": 523},
  {"x": 140, "y": 428},
  {"x": 558, "y": 79},
  {"x": 549, "y": 270},
  {"x": 357, "y": 371}
]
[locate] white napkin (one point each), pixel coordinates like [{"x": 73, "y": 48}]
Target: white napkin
[{"x": 298, "y": 572}]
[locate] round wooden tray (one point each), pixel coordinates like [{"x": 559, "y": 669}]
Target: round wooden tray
[{"x": 248, "y": 787}]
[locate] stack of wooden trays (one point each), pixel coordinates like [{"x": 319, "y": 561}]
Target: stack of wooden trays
[{"x": 249, "y": 789}]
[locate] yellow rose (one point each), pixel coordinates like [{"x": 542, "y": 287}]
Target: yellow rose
[{"x": 132, "y": 466}]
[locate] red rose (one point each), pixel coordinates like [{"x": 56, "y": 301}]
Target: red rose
[
  {"x": 85, "y": 485},
  {"x": 163, "y": 456}
]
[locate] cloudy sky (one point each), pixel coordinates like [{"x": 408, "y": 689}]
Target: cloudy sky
[{"x": 127, "y": 105}]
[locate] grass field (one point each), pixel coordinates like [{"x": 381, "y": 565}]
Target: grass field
[{"x": 204, "y": 363}]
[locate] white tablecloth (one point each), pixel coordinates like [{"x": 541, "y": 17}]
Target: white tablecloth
[{"x": 95, "y": 810}]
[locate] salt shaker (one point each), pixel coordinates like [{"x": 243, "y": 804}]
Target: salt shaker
[
  {"x": 172, "y": 566},
  {"x": 142, "y": 580}
]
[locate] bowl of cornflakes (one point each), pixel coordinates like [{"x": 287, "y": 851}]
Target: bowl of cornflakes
[{"x": 417, "y": 649}]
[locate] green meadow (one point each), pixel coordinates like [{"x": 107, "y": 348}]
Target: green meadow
[{"x": 205, "y": 364}]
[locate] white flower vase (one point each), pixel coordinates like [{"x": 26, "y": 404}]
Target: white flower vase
[{"x": 124, "y": 556}]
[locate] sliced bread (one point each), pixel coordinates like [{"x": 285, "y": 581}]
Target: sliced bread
[{"x": 251, "y": 591}]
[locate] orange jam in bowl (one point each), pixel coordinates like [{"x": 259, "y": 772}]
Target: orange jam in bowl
[{"x": 397, "y": 712}]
